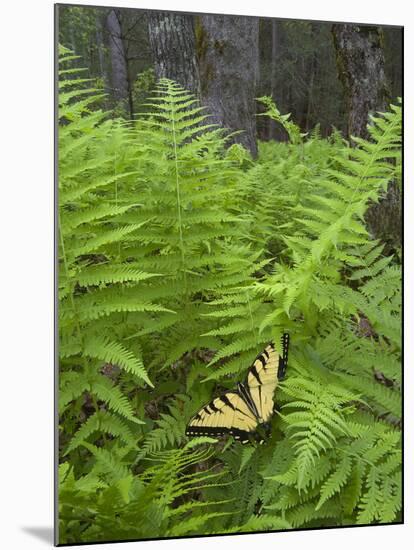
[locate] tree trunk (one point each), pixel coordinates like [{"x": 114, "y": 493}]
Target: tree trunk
[
  {"x": 310, "y": 97},
  {"x": 361, "y": 67},
  {"x": 275, "y": 51},
  {"x": 228, "y": 52},
  {"x": 100, "y": 47},
  {"x": 118, "y": 59},
  {"x": 312, "y": 71},
  {"x": 172, "y": 41}
]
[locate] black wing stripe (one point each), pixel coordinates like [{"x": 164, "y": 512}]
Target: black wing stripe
[
  {"x": 243, "y": 393},
  {"x": 283, "y": 361},
  {"x": 238, "y": 434},
  {"x": 260, "y": 396},
  {"x": 227, "y": 401},
  {"x": 243, "y": 413},
  {"x": 247, "y": 398},
  {"x": 253, "y": 370},
  {"x": 214, "y": 408}
]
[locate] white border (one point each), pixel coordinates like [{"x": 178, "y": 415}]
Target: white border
[{"x": 26, "y": 378}]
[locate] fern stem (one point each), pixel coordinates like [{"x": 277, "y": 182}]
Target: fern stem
[
  {"x": 358, "y": 457},
  {"x": 250, "y": 312},
  {"x": 72, "y": 300},
  {"x": 177, "y": 186},
  {"x": 74, "y": 308},
  {"x": 373, "y": 158},
  {"x": 116, "y": 204}
]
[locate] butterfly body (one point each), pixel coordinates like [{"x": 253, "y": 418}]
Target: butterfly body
[{"x": 245, "y": 412}]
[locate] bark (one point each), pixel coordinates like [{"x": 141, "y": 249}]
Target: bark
[
  {"x": 118, "y": 58},
  {"x": 228, "y": 53},
  {"x": 100, "y": 47},
  {"x": 307, "y": 120},
  {"x": 361, "y": 67},
  {"x": 384, "y": 219},
  {"x": 275, "y": 51},
  {"x": 172, "y": 42},
  {"x": 311, "y": 78}
]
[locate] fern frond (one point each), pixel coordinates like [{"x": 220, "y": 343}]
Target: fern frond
[
  {"x": 101, "y": 422},
  {"x": 336, "y": 481},
  {"x": 116, "y": 353}
]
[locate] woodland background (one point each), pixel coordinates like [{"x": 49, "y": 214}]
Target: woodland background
[
  {"x": 184, "y": 248},
  {"x": 294, "y": 61},
  {"x": 324, "y": 75}
]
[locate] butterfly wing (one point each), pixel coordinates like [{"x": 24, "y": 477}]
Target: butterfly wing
[
  {"x": 238, "y": 413},
  {"x": 226, "y": 414},
  {"x": 263, "y": 376}
]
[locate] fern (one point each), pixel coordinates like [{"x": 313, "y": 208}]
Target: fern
[
  {"x": 133, "y": 506},
  {"x": 169, "y": 432},
  {"x": 178, "y": 261},
  {"x": 88, "y": 232},
  {"x": 336, "y": 481}
]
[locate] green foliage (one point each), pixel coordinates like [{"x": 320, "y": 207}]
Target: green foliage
[
  {"x": 178, "y": 261},
  {"x": 292, "y": 129},
  {"x": 91, "y": 318},
  {"x": 144, "y": 83},
  {"x": 136, "y": 506}
]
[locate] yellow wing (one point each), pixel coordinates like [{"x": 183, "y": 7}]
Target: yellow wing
[
  {"x": 239, "y": 412},
  {"x": 262, "y": 380},
  {"x": 226, "y": 414},
  {"x": 267, "y": 369}
]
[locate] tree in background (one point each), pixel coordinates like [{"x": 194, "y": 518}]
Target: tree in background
[
  {"x": 298, "y": 69},
  {"x": 176, "y": 264},
  {"x": 84, "y": 32},
  {"x": 120, "y": 84},
  {"x": 273, "y": 82},
  {"x": 100, "y": 46},
  {"x": 172, "y": 41},
  {"x": 361, "y": 69},
  {"x": 228, "y": 53},
  {"x": 296, "y": 61}
]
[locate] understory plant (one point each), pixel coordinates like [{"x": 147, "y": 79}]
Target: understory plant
[{"x": 179, "y": 259}]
